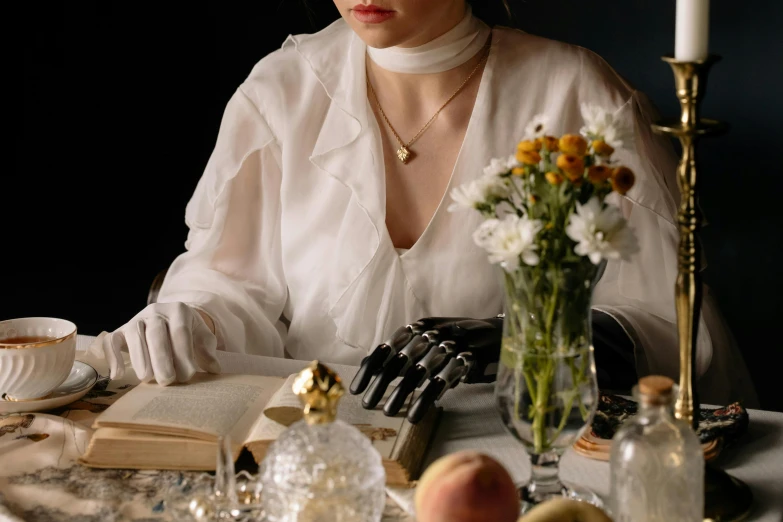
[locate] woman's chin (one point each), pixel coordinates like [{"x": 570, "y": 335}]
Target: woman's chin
[{"x": 380, "y": 36}]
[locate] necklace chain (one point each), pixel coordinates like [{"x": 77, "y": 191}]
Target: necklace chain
[{"x": 404, "y": 153}]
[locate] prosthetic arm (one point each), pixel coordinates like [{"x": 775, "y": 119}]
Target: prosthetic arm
[
  {"x": 437, "y": 353},
  {"x": 440, "y": 352}
]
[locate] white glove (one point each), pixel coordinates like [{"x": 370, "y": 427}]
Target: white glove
[{"x": 166, "y": 342}]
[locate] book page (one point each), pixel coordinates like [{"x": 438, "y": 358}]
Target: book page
[
  {"x": 245, "y": 364},
  {"x": 207, "y": 407},
  {"x": 285, "y": 408}
]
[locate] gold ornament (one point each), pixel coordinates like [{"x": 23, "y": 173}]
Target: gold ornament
[{"x": 319, "y": 389}]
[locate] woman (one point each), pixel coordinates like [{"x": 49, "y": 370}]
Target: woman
[{"x": 320, "y": 223}]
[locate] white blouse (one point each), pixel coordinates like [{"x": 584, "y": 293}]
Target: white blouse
[{"x": 288, "y": 249}]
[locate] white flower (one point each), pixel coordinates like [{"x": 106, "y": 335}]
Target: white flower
[
  {"x": 501, "y": 166},
  {"x": 597, "y": 120},
  {"x": 601, "y": 233},
  {"x": 509, "y": 240},
  {"x": 494, "y": 187},
  {"x": 478, "y": 192},
  {"x": 537, "y": 127},
  {"x": 497, "y": 167},
  {"x": 483, "y": 233},
  {"x": 601, "y": 124}
]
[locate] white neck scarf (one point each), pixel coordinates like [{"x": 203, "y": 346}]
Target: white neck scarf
[{"x": 450, "y": 50}]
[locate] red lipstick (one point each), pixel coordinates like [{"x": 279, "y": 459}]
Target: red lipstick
[{"x": 371, "y": 14}]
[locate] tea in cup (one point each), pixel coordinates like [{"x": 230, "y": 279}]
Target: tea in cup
[{"x": 36, "y": 356}]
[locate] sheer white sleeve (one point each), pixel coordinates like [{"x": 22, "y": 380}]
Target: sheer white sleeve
[
  {"x": 232, "y": 268},
  {"x": 640, "y": 293}
]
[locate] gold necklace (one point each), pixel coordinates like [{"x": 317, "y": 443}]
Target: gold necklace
[{"x": 404, "y": 153}]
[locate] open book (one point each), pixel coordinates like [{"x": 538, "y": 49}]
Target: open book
[{"x": 177, "y": 427}]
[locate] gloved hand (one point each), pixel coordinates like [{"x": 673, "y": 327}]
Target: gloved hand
[
  {"x": 167, "y": 342},
  {"x": 437, "y": 352}
]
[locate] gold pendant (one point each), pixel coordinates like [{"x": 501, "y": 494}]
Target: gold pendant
[{"x": 404, "y": 154}]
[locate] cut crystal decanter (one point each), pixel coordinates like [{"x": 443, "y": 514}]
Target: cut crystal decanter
[
  {"x": 657, "y": 462},
  {"x": 322, "y": 469}
]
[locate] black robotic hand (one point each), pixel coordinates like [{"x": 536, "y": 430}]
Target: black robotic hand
[{"x": 438, "y": 352}]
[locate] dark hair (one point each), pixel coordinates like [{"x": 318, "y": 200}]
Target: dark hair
[{"x": 493, "y": 12}]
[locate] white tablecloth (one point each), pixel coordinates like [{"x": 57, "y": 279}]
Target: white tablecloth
[{"x": 470, "y": 421}]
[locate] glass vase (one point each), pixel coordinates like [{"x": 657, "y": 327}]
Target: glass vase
[{"x": 546, "y": 388}]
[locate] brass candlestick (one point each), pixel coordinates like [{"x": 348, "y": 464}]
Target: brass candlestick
[
  {"x": 690, "y": 82},
  {"x": 726, "y": 498}
]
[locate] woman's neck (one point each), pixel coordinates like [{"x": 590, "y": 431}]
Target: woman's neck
[
  {"x": 419, "y": 92},
  {"x": 426, "y": 75},
  {"x": 464, "y": 35}
]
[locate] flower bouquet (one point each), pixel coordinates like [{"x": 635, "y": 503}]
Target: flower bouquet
[{"x": 549, "y": 225}]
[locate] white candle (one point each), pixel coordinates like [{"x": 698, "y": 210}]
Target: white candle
[{"x": 692, "y": 30}]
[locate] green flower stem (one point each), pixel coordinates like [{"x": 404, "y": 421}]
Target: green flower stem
[
  {"x": 577, "y": 379},
  {"x": 564, "y": 418},
  {"x": 530, "y": 379},
  {"x": 547, "y": 319},
  {"x": 543, "y": 382}
]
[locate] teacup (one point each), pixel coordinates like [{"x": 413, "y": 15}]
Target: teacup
[{"x": 36, "y": 356}]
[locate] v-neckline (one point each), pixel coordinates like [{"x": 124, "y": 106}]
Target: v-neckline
[{"x": 477, "y": 106}]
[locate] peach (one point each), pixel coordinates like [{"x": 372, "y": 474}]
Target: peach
[
  {"x": 565, "y": 510},
  {"x": 466, "y": 487}
]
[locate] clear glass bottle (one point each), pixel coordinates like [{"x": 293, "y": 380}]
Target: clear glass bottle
[
  {"x": 657, "y": 463},
  {"x": 321, "y": 468}
]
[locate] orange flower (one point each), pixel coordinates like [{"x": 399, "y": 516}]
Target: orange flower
[
  {"x": 518, "y": 171},
  {"x": 572, "y": 166},
  {"x": 528, "y": 157},
  {"x": 573, "y": 144},
  {"x": 622, "y": 180},
  {"x": 598, "y": 173},
  {"x": 554, "y": 178},
  {"x": 528, "y": 146},
  {"x": 548, "y": 142},
  {"x": 602, "y": 148},
  {"x": 533, "y": 198}
]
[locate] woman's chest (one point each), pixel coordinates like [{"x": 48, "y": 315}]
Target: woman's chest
[
  {"x": 414, "y": 191},
  {"x": 334, "y": 246},
  {"x": 419, "y": 165}
]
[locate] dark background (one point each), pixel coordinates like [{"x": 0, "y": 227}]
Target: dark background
[{"x": 120, "y": 104}]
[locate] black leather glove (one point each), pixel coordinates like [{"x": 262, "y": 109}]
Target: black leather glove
[{"x": 437, "y": 352}]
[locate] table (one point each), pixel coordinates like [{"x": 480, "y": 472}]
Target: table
[{"x": 470, "y": 421}]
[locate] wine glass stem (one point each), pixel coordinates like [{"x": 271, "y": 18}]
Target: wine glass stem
[
  {"x": 225, "y": 479},
  {"x": 544, "y": 479}
]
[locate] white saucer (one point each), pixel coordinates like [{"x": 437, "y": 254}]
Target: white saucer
[{"x": 81, "y": 379}]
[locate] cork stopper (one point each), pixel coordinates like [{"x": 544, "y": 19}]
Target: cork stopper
[
  {"x": 656, "y": 385},
  {"x": 656, "y": 389},
  {"x": 319, "y": 389}
]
